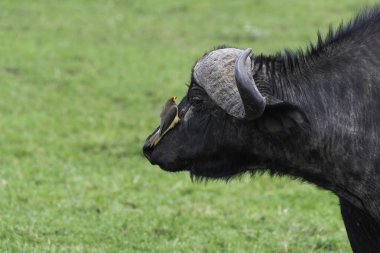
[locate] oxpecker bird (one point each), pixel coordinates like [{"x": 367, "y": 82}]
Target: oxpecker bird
[{"x": 169, "y": 118}]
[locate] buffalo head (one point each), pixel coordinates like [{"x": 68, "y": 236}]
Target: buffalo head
[{"x": 227, "y": 125}]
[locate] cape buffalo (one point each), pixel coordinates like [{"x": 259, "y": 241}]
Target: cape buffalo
[{"x": 312, "y": 114}]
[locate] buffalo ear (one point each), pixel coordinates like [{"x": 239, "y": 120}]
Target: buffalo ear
[{"x": 280, "y": 116}]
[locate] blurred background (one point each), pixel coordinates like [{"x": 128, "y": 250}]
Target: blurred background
[{"x": 82, "y": 84}]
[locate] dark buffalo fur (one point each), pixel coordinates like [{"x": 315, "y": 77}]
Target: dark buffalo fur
[{"x": 321, "y": 125}]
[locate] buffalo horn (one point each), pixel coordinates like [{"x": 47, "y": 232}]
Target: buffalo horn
[{"x": 253, "y": 101}]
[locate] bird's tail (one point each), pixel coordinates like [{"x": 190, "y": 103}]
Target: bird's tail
[{"x": 154, "y": 139}]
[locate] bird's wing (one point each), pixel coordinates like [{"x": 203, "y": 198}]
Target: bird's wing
[
  {"x": 167, "y": 117},
  {"x": 167, "y": 106}
]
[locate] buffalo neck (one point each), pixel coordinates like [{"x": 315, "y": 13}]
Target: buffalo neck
[{"x": 335, "y": 153}]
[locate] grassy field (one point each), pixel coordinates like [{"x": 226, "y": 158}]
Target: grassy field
[{"x": 81, "y": 86}]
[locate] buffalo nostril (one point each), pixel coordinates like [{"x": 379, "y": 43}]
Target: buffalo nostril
[{"x": 147, "y": 150}]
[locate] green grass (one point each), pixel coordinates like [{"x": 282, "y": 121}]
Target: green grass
[{"x": 81, "y": 86}]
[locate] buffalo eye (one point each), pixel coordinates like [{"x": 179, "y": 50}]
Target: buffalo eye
[{"x": 196, "y": 101}]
